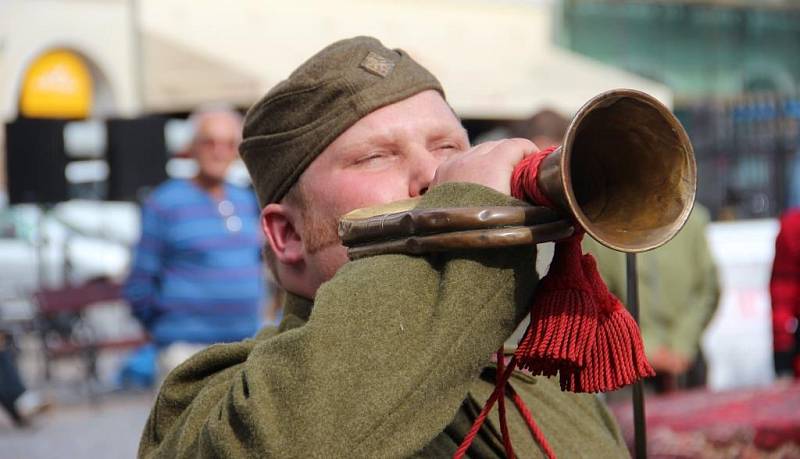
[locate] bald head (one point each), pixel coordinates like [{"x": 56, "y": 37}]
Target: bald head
[{"x": 217, "y": 132}]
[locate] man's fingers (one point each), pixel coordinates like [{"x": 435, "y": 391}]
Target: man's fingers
[
  {"x": 513, "y": 148},
  {"x": 533, "y": 149},
  {"x": 489, "y": 164}
]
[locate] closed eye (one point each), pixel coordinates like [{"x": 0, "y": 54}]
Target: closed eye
[
  {"x": 373, "y": 158},
  {"x": 369, "y": 157},
  {"x": 448, "y": 149}
]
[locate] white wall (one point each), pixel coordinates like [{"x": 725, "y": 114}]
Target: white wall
[{"x": 738, "y": 342}]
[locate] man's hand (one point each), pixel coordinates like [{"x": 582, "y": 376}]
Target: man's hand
[
  {"x": 665, "y": 361},
  {"x": 489, "y": 164}
]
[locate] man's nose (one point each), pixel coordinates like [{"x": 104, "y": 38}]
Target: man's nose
[
  {"x": 223, "y": 148},
  {"x": 423, "y": 168}
]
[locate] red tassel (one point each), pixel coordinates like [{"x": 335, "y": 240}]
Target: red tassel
[
  {"x": 617, "y": 357},
  {"x": 578, "y": 329},
  {"x": 563, "y": 317}
]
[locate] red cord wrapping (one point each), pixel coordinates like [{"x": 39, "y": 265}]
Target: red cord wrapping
[{"x": 523, "y": 179}]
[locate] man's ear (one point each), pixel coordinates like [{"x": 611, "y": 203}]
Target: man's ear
[{"x": 280, "y": 229}]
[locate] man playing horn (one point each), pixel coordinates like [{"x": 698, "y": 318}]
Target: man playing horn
[{"x": 386, "y": 356}]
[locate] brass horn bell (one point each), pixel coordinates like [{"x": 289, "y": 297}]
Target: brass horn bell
[{"x": 625, "y": 171}]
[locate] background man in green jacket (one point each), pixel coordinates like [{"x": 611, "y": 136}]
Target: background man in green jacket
[{"x": 386, "y": 356}]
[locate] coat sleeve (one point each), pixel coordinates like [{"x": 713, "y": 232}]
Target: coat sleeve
[
  {"x": 381, "y": 367},
  {"x": 784, "y": 288},
  {"x": 704, "y": 293}
]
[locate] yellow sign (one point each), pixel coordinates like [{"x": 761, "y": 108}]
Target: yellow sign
[{"x": 58, "y": 85}]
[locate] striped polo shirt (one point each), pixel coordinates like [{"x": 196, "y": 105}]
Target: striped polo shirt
[{"x": 197, "y": 273}]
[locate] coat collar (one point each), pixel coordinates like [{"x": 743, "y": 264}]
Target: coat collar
[{"x": 296, "y": 311}]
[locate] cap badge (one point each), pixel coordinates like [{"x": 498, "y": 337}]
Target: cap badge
[{"x": 376, "y": 64}]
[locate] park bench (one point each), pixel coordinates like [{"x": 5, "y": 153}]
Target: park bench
[{"x": 65, "y": 332}]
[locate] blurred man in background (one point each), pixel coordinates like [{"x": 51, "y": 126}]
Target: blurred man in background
[
  {"x": 546, "y": 128},
  {"x": 197, "y": 275},
  {"x": 784, "y": 288}
]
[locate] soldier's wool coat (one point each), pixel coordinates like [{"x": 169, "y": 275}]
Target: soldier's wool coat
[{"x": 392, "y": 360}]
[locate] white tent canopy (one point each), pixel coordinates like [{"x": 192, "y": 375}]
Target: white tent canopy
[{"x": 496, "y": 61}]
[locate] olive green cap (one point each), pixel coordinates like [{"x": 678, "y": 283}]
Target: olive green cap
[{"x": 298, "y": 118}]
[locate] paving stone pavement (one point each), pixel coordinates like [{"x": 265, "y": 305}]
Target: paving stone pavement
[{"x": 109, "y": 428}]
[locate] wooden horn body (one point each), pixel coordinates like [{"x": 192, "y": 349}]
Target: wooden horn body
[{"x": 625, "y": 171}]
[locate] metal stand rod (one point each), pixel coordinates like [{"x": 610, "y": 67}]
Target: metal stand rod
[{"x": 639, "y": 425}]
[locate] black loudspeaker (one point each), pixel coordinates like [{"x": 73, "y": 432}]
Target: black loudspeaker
[
  {"x": 36, "y": 161},
  {"x": 137, "y": 157}
]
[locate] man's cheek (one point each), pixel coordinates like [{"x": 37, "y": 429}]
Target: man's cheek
[
  {"x": 380, "y": 195},
  {"x": 349, "y": 199}
]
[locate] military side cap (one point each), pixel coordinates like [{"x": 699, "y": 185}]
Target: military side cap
[{"x": 298, "y": 118}]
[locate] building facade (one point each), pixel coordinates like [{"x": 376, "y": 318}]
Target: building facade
[{"x": 734, "y": 72}]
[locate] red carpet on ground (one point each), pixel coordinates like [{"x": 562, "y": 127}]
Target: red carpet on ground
[{"x": 761, "y": 422}]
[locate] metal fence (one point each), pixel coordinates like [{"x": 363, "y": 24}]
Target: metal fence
[{"x": 748, "y": 154}]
